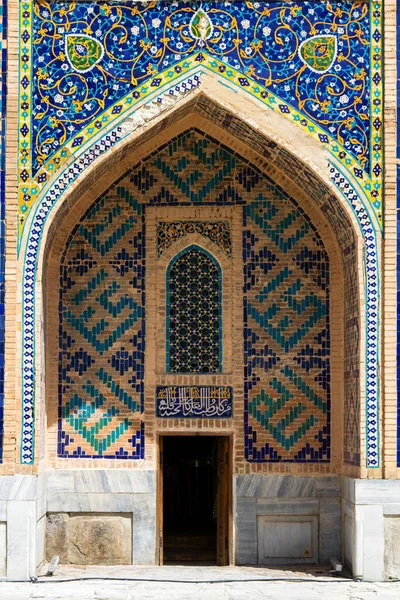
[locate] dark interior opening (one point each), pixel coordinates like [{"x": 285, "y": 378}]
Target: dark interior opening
[{"x": 190, "y": 499}]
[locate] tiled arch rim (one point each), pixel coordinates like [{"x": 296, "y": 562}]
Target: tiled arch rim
[
  {"x": 342, "y": 246},
  {"x": 83, "y": 175}
]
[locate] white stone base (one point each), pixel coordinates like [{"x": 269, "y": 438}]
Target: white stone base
[
  {"x": 25, "y": 500},
  {"x": 22, "y": 518},
  {"x": 370, "y": 526},
  {"x": 369, "y": 531}
]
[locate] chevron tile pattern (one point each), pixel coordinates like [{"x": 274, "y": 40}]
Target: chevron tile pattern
[
  {"x": 286, "y": 332},
  {"x": 286, "y": 309},
  {"x": 101, "y": 342}
]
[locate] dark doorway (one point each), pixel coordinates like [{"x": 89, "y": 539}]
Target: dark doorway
[{"x": 194, "y": 485}]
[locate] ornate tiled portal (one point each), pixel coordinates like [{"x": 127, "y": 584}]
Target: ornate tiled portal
[
  {"x": 286, "y": 336},
  {"x": 307, "y": 77},
  {"x": 198, "y": 204}
]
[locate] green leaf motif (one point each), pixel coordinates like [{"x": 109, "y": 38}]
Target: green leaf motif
[
  {"x": 319, "y": 52},
  {"x": 201, "y": 27},
  {"x": 83, "y": 52}
]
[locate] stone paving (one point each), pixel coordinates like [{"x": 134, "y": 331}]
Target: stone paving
[{"x": 196, "y": 583}]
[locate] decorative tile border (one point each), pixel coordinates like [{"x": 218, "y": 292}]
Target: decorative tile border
[
  {"x": 371, "y": 267},
  {"x": 398, "y": 234}
]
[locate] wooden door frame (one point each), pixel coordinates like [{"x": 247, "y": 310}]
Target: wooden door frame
[{"x": 159, "y": 488}]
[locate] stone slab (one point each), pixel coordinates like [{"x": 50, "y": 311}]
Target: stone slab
[
  {"x": 21, "y": 538},
  {"x": 144, "y": 530},
  {"x": 18, "y": 487},
  {"x": 40, "y": 542},
  {"x": 392, "y": 548},
  {"x": 128, "y": 482},
  {"x": 330, "y": 528},
  {"x": 287, "y": 539},
  {"x": 328, "y": 487},
  {"x": 275, "y": 486},
  {"x": 57, "y": 536},
  {"x": 377, "y": 491},
  {"x": 61, "y": 481},
  {"x": 246, "y": 531},
  {"x": 373, "y": 542},
  {"x": 391, "y": 509},
  {"x": 117, "y": 503},
  {"x": 3, "y": 549},
  {"x": 278, "y": 506},
  {"x": 100, "y": 540}
]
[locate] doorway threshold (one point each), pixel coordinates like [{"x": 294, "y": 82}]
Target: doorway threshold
[{"x": 189, "y": 573}]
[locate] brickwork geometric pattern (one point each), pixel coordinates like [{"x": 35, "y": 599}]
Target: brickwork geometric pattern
[
  {"x": 287, "y": 346},
  {"x": 286, "y": 317},
  {"x": 101, "y": 344}
]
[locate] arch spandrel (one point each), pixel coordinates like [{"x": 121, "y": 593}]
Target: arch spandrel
[{"x": 339, "y": 87}]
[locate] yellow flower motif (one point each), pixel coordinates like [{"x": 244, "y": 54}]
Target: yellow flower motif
[
  {"x": 151, "y": 70},
  {"x": 145, "y": 45},
  {"x": 361, "y": 75},
  {"x": 256, "y": 44},
  {"x": 42, "y": 74},
  {"x": 294, "y": 10},
  {"x": 250, "y": 70},
  {"x": 78, "y": 105},
  {"x": 349, "y": 122},
  {"x": 54, "y": 122},
  {"x": 325, "y": 105}
]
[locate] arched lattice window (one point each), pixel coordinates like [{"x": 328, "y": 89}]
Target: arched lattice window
[{"x": 194, "y": 305}]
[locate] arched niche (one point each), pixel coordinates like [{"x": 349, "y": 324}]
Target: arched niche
[
  {"x": 329, "y": 213},
  {"x": 318, "y": 223}
]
